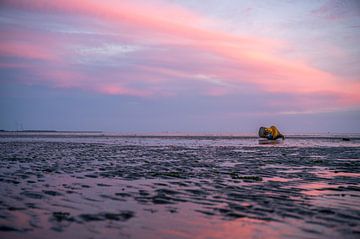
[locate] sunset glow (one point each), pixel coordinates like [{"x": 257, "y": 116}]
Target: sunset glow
[{"x": 167, "y": 50}]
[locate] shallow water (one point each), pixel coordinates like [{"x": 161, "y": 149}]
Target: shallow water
[{"x": 110, "y": 186}]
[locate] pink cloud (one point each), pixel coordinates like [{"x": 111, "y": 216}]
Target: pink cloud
[
  {"x": 179, "y": 44},
  {"x": 25, "y": 50},
  {"x": 117, "y": 90},
  {"x": 217, "y": 91}
]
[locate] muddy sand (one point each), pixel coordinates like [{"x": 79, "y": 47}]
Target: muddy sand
[{"x": 83, "y": 186}]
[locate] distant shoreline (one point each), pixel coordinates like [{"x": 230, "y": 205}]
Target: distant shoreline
[
  {"x": 172, "y": 135},
  {"x": 175, "y": 133},
  {"x": 48, "y": 131}
]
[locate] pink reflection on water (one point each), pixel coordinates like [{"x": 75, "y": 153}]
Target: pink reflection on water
[
  {"x": 278, "y": 179},
  {"x": 187, "y": 224},
  {"x": 241, "y": 228},
  {"x": 316, "y": 188},
  {"x": 21, "y": 219},
  {"x": 332, "y": 174}
]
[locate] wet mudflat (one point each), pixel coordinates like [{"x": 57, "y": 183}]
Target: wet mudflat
[{"x": 117, "y": 187}]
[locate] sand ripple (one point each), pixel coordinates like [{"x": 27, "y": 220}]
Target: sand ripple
[{"x": 178, "y": 191}]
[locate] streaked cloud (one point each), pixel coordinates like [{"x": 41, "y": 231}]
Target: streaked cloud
[{"x": 161, "y": 49}]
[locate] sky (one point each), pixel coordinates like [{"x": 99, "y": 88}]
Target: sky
[{"x": 142, "y": 66}]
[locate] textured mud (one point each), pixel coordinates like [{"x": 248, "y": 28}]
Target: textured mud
[{"x": 170, "y": 190}]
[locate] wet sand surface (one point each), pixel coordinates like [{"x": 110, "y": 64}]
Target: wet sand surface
[{"x": 119, "y": 187}]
